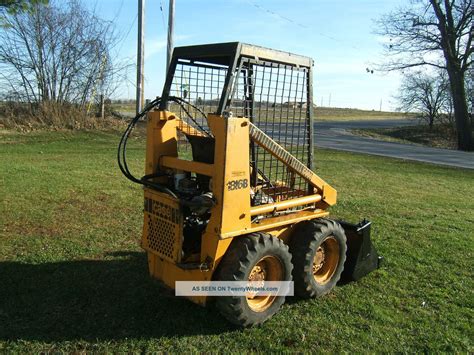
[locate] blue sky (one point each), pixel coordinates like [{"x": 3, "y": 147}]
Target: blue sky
[{"x": 337, "y": 34}]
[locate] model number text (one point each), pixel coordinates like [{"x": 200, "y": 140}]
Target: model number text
[{"x": 237, "y": 184}]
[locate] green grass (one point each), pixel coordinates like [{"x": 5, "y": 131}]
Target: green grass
[
  {"x": 440, "y": 136},
  {"x": 72, "y": 277},
  {"x": 351, "y": 114},
  {"x": 320, "y": 113}
]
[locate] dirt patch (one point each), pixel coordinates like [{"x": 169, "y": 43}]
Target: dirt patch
[{"x": 29, "y": 228}]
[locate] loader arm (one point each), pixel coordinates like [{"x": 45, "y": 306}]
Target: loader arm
[{"x": 328, "y": 193}]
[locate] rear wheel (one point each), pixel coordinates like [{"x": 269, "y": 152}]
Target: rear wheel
[
  {"x": 318, "y": 250},
  {"x": 257, "y": 257}
]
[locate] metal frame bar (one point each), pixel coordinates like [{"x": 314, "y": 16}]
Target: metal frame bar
[
  {"x": 168, "y": 83},
  {"x": 310, "y": 117},
  {"x": 226, "y": 91}
]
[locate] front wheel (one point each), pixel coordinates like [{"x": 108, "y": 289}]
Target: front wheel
[
  {"x": 256, "y": 257},
  {"x": 318, "y": 250}
]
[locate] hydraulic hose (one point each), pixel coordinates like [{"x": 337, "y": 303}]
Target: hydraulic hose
[{"x": 122, "y": 147}]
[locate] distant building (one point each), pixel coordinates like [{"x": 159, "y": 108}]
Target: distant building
[{"x": 295, "y": 104}]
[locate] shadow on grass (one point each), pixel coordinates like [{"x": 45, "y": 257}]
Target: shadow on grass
[{"x": 95, "y": 300}]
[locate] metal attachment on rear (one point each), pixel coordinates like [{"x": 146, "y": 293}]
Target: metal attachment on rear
[{"x": 362, "y": 258}]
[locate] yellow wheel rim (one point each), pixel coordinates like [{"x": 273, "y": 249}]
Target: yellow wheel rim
[
  {"x": 268, "y": 268},
  {"x": 326, "y": 260}
]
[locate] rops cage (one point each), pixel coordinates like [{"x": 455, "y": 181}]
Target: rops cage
[{"x": 272, "y": 88}]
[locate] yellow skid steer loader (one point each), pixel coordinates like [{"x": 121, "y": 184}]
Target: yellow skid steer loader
[{"x": 229, "y": 188}]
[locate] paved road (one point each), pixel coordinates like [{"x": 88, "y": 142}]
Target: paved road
[{"x": 336, "y": 135}]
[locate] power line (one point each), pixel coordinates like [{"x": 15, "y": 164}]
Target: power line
[
  {"x": 276, "y": 14},
  {"x": 128, "y": 32},
  {"x": 271, "y": 12}
]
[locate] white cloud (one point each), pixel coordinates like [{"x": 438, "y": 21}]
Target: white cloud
[
  {"x": 154, "y": 46},
  {"x": 348, "y": 68},
  {"x": 158, "y": 45}
]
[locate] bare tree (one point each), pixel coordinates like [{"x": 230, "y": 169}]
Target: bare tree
[
  {"x": 424, "y": 93},
  {"x": 436, "y": 33},
  {"x": 58, "y": 53},
  {"x": 16, "y": 6}
]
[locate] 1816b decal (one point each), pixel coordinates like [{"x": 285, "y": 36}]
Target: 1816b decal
[{"x": 237, "y": 184}]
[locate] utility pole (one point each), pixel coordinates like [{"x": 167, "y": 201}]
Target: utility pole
[
  {"x": 329, "y": 99},
  {"x": 380, "y": 108},
  {"x": 140, "y": 54},
  {"x": 170, "y": 46}
]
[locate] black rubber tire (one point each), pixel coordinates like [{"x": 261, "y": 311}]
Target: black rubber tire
[
  {"x": 305, "y": 240},
  {"x": 236, "y": 265}
]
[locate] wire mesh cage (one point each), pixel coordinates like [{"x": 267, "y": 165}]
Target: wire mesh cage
[
  {"x": 271, "y": 88},
  {"x": 201, "y": 85},
  {"x": 274, "y": 97}
]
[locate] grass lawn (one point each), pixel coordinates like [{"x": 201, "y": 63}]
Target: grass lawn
[
  {"x": 440, "y": 136},
  {"x": 73, "y": 278},
  {"x": 351, "y": 114}
]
